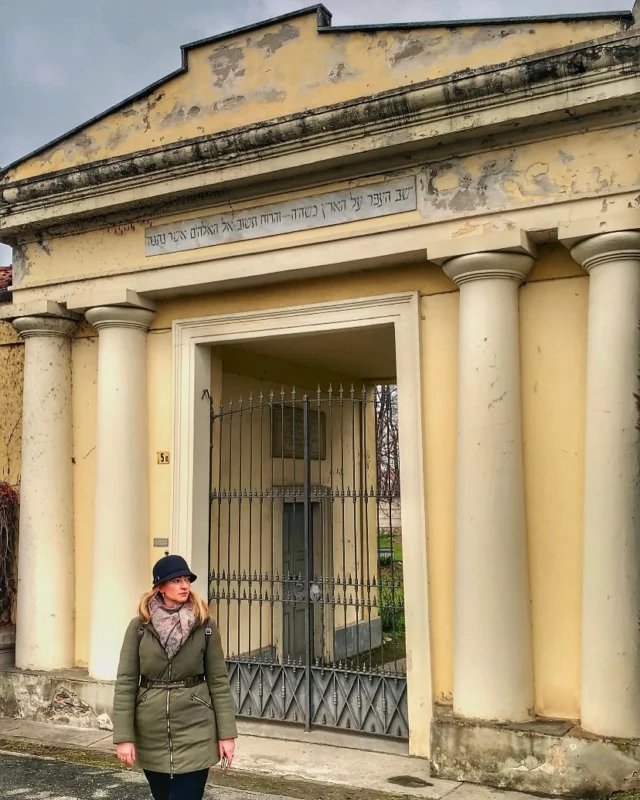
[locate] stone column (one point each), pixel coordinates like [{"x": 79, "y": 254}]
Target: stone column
[
  {"x": 45, "y": 637},
  {"x": 121, "y": 569},
  {"x": 493, "y": 663},
  {"x": 611, "y": 554}
]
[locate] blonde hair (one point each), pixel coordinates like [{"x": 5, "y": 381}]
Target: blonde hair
[{"x": 195, "y": 601}]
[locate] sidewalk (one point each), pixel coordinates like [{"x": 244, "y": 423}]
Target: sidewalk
[{"x": 299, "y": 767}]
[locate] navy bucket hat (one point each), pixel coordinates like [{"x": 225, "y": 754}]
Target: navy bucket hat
[{"x": 171, "y": 567}]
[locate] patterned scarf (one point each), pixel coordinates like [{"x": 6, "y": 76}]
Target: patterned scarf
[{"x": 173, "y": 625}]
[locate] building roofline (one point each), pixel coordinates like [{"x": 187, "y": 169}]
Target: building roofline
[
  {"x": 324, "y": 26},
  {"x": 465, "y": 23}
]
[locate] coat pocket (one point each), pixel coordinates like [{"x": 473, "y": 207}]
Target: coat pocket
[
  {"x": 142, "y": 698},
  {"x": 200, "y": 700}
]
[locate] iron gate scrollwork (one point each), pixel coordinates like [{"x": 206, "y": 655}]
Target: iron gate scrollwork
[{"x": 306, "y": 560}]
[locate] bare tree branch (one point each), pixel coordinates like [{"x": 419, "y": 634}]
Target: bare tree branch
[{"x": 387, "y": 446}]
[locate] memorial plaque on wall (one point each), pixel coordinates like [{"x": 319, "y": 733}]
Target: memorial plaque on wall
[
  {"x": 287, "y": 433},
  {"x": 306, "y": 213}
]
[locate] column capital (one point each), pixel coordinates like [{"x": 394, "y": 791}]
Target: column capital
[
  {"x": 606, "y": 248},
  {"x": 120, "y": 317},
  {"x": 507, "y": 254},
  {"x": 490, "y": 265},
  {"x": 30, "y": 327}
]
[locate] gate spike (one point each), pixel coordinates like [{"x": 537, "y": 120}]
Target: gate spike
[{"x": 250, "y": 400}]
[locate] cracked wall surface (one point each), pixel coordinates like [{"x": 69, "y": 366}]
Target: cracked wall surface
[
  {"x": 480, "y": 190},
  {"x": 288, "y": 67}
]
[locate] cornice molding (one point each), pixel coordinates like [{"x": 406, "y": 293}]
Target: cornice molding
[{"x": 448, "y": 102}]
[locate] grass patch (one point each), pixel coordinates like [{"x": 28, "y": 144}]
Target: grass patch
[{"x": 384, "y": 543}]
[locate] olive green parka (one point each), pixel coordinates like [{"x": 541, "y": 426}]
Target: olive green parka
[{"x": 174, "y": 730}]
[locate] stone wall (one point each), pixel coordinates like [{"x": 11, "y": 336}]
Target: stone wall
[{"x": 63, "y": 698}]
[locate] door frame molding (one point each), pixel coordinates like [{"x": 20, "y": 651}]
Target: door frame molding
[{"x": 192, "y": 340}]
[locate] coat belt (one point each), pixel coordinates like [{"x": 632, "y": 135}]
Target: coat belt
[{"x": 185, "y": 683}]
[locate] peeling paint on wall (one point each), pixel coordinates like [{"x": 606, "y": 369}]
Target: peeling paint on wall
[{"x": 330, "y": 69}]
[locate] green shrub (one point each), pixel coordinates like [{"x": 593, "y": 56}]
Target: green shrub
[{"x": 391, "y": 604}]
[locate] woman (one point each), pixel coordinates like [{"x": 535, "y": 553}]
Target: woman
[{"x": 173, "y": 708}]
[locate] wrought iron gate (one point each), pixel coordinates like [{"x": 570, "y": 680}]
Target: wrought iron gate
[{"x": 306, "y": 560}]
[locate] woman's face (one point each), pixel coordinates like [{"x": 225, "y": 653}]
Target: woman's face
[{"x": 176, "y": 591}]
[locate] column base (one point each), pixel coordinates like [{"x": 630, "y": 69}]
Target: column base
[{"x": 547, "y": 757}]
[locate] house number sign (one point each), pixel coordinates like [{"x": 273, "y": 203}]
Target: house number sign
[{"x": 319, "y": 211}]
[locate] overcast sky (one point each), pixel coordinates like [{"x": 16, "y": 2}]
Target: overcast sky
[{"x": 63, "y": 61}]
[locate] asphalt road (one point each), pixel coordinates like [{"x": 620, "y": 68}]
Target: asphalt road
[{"x": 34, "y": 778}]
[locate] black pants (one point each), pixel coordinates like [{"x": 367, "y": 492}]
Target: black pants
[{"x": 187, "y": 786}]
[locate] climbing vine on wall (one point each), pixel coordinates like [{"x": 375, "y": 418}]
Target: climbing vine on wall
[{"x": 9, "y": 512}]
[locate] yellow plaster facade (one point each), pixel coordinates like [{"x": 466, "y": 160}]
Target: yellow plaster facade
[
  {"x": 550, "y": 160},
  {"x": 249, "y": 78}
]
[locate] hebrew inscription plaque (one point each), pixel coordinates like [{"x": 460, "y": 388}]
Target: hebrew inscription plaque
[{"x": 332, "y": 208}]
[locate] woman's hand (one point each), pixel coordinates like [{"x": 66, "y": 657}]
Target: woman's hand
[
  {"x": 127, "y": 753},
  {"x": 227, "y": 749}
]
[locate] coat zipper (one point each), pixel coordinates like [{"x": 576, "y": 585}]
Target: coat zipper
[
  {"x": 200, "y": 700},
  {"x": 169, "y": 726}
]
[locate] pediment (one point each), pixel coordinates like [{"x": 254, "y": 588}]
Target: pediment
[{"x": 294, "y": 64}]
